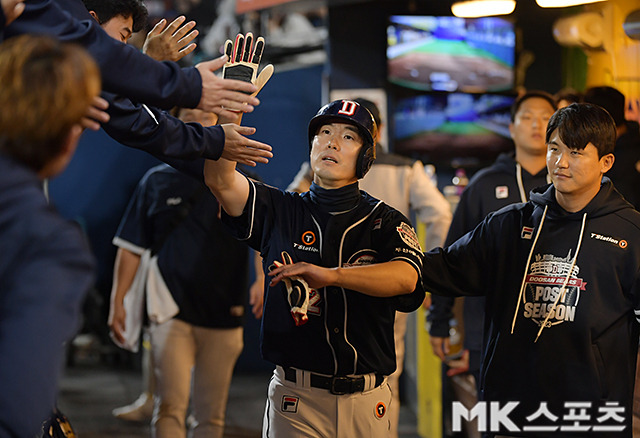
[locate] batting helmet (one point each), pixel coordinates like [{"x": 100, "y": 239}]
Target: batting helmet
[{"x": 348, "y": 111}]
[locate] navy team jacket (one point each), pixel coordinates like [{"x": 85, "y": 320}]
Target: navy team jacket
[{"x": 125, "y": 71}]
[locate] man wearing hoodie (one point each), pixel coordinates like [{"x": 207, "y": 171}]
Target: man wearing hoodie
[
  {"x": 560, "y": 274},
  {"x": 625, "y": 172},
  {"x": 508, "y": 180}
]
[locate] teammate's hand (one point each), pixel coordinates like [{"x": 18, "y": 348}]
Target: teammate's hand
[
  {"x": 172, "y": 42},
  {"x": 96, "y": 114},
  {"x": 458, "y": 366},
  {"x": 244, "y": 59},
  {"x": 12, "y": 9},
  {"x": 116, "y": 321},
  {"x": 223, "y": 96},
  {"x": 242, "y": 150},
  {"x": 256, "y": 297},
  {"x": 440, "y": 346}
]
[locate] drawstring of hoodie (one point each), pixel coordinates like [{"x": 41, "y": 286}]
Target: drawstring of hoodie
[
  {"x": 566, "y": 280},
  {"x": 523, "y": 194},
  {"x": 524, "y": 278}
]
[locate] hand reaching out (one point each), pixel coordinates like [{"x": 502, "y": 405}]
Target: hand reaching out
[
  {"x": 172, "y": 42},
  {"x": 12, "y": 9},
  {"x": 241, "y": 149},
  {"x": 96, "y": 114},
  {"x": 223, "y": 96}
]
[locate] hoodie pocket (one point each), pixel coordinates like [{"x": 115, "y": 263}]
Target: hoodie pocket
[{"x": 600, "y": 370}]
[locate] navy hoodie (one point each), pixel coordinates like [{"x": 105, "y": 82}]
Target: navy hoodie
[
  {"x": 490, "y": 189},
  {"x": 519, "y": 258}
]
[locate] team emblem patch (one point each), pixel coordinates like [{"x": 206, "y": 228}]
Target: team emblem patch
[
  {"x": 502, "y": 192},
  {"x": 289, "y": 403},
  {"x": 381, "y": 410},
  {"x": 408, "y": 236},
  {"x": 526, "y": 233}
]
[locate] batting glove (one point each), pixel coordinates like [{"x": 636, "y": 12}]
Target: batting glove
[
  {"x": 297, "y": 292},
  {"x": 244, "y": 58}
]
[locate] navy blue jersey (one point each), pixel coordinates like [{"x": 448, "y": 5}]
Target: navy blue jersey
[
  {"x": 204, "y": 267},
  {"x": 348, "y": 332}
]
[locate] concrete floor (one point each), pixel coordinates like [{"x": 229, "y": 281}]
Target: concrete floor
[{"x": 90, "y": 389}]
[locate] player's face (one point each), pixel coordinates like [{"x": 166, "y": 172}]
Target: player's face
[
  {"x": 334, "y": 152},
  {"x": 529, "y": 126},
  {"x": 119, "y": 28},
  {"x": 576, "y": 173}
]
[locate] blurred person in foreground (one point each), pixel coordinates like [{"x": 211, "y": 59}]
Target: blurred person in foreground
[{"x": 46, "y": 266}]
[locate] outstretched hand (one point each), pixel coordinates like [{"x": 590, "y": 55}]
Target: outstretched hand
[
  {"x": 96, "y": 114},
  {"x": 224, "y": 96},
  {"x": 241, "y": 149},
  {"x": 12, "y": 9},
  {"x": 172, "y": 42}
]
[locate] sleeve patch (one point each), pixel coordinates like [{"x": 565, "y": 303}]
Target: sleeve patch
[{"x": 409, "y": 236}]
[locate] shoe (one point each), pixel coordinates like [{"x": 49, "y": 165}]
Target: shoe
[{"x": 139, "y": 410}]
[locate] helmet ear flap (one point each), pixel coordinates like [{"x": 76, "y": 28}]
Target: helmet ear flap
[{"x": 366, "y": 157}]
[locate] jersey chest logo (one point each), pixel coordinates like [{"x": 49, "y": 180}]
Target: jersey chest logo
[{"x": 307, "y": 242}]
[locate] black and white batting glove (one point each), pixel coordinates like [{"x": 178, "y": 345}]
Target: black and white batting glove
[
  {"x": 297, "y": 292},
  {"x": 244, "y": 59}
]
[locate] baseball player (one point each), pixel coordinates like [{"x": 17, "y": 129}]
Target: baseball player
[{"x": 340, "y": 263}]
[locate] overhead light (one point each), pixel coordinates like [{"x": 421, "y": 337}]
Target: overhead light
[
  {"x": 564, "y": 3},
  {"x": 482, "y": 8}
]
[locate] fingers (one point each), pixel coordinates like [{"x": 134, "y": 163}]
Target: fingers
[
  {"x": 213, "y": 64},
  {"x": 175, "y": 24},
  {"x": 157, "y": 29},
  {"x": 96, "y": 114}
]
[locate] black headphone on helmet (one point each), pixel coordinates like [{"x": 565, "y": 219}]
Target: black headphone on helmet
[{"x": 350, "y": 112}]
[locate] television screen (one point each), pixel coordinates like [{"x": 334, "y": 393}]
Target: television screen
[
  {"x": 442, "y": 126},
  {"x": 473, "y": 55}
]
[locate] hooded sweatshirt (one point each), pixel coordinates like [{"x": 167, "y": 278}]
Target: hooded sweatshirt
[
  {"x": 504, "y": 182},
  {"x": 545, "y": 348}
]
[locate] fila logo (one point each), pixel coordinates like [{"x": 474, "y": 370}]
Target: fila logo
[
  {"x": 526, "y": 233},
  {"x": 290, "y": 403},
  {"x": 502, "y": 192},
  {"x": 348, "y": 108}
]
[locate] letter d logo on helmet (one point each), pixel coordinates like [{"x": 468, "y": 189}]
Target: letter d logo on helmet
[{"x": 348, "y": 111}]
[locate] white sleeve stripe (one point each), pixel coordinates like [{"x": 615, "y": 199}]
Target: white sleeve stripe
[
  {"x": 410, "y": 261},
  {"x": 121, "y": 243},
  {"x": 150, "y": 113},
  {"x": 252, "y": 212}
]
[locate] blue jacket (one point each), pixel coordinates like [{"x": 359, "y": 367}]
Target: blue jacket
[
  {"x": 160, "y": 134},
  {"x": 125, "y": 71},
  {"x": 46, "y": 269}
]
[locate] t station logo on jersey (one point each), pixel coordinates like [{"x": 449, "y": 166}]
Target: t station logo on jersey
[
  {"x": 544, "y": 284},
  {"x": 307, "y": 240}
]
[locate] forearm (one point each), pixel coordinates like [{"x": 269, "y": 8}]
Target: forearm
[
  {"x": 379, "y": 280},
  {"x": 229, "y": 186},
  {"x": 126, "y": 266},
  {"x": 124, "y": 69}
]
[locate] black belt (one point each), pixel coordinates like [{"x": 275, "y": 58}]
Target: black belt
[{"x": 338, "y": 385}]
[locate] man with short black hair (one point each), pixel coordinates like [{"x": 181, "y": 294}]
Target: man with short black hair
[
  {"x": 561, "y": 278},
  {"x": 341, "y": 263}
]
